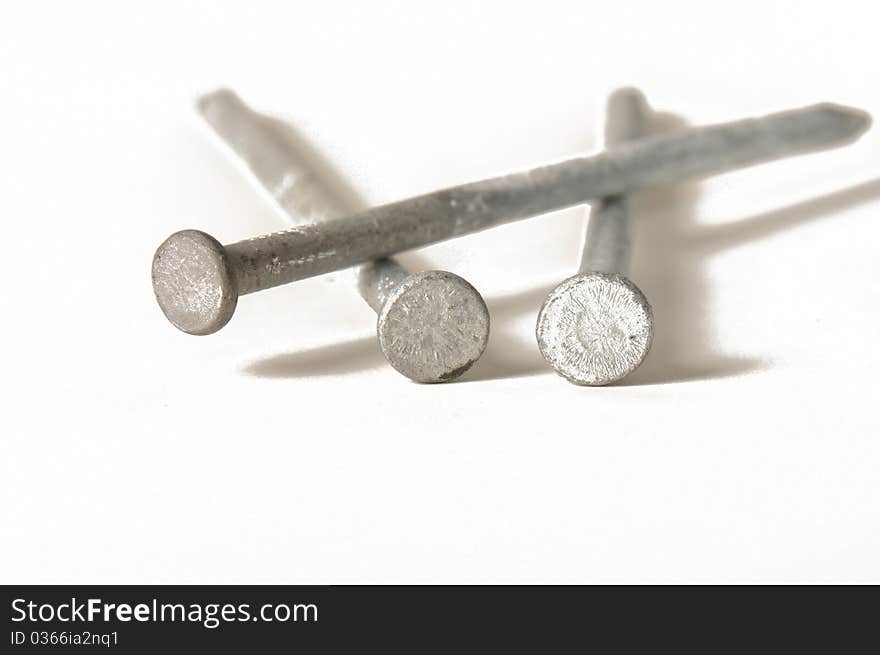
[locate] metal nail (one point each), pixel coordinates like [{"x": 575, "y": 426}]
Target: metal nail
[
  {"x": 432, "y": 325},
  {"x": 596, "y": 327},
  {"x": 197, "y": 280}
]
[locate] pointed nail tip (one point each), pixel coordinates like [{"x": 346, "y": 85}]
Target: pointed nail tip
[
  {"x": 857, "y": 121},
  {"x": 863, "y": 119}
]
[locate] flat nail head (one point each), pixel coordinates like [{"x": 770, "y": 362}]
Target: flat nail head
[
  {"x": 194, "y": 282},
  {"x": 595, "y": 328},
  {"x": 433, "y": 326}
]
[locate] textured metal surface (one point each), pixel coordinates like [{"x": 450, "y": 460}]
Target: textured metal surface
[
  {"x": 432, "y": 326},
  {"x": 304, "y": 251},
  {"x": 194, "y": 282},
  {"x": 608, "y": 241},
  {"x": 596, "y": 327}
]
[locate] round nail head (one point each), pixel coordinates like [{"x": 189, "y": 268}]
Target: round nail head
[
  {"x": 595, "y": 328},
  {"x": 194, "y": 282},
  {"x": 433, "y": 326}
]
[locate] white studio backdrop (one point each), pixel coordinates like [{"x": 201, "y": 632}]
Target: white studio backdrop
[{"x": 282, "y": 449}]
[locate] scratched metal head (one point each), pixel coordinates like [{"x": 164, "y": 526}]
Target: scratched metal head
[
  {"x": 595, "y": 328},
  {"x": 194, "y": 282},
  {"x": 433, "y": 326}
]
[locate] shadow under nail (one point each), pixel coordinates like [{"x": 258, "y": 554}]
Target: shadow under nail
[
  {"x": 332, "y": 359},
  {"x": 711, "y": 367},
  {"x": 506, "y": 357}
]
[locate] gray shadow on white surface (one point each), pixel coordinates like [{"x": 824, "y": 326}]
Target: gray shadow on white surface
[
  {"x": 332, "y": 359},
  {"x": 709, "y": 240}
]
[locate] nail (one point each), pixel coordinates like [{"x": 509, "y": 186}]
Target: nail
[
  {"x": 433, "y": 325},
  {"x": 197, "y": 280},
  {"x": 596, "y": 327}
]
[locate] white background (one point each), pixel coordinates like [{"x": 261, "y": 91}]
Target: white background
[{"x": 283, "y": 449}]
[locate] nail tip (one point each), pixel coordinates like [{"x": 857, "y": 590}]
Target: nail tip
[
  {"x": 855, "y": 121},
  {"x": 864, "y": 119}
]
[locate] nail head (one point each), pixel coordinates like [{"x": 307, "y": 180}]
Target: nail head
[
  {"x": 194, "y": 282},
  {"x": 433, "y": 326},
  {"x": 595, "y": 328}
]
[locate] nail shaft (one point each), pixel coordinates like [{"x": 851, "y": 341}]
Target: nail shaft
[
  {"x": 199, "y": 306},
  {"x": 299, "y": 253},
  {"x": 378, "y": 280},
  {"x": 608, "y": 242}
]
